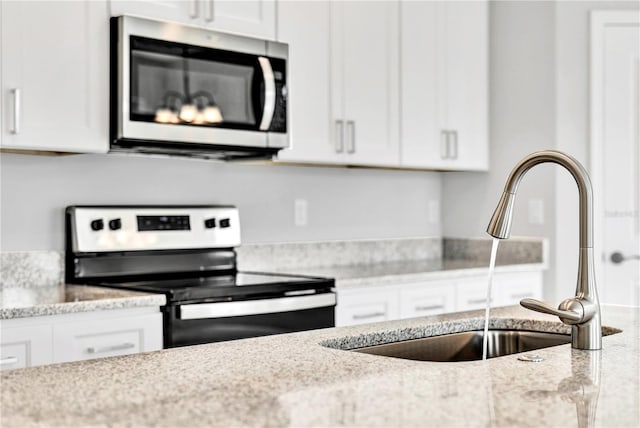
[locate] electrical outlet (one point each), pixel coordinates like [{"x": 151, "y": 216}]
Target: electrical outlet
[
  {"x": 536, "y": 211},
  {"x": 434, "y": 212},
  {"x": 300, "y": 212}
]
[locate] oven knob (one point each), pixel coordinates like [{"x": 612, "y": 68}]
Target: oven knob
[
  {"x": 210, "y": 223},
  {"x": 224, "y": 222},
  {"x": 115, "y": 224},
  {"x": 97, "y": 224}
]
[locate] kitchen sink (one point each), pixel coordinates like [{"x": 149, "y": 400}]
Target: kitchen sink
[{"x": 467, "y": 346}]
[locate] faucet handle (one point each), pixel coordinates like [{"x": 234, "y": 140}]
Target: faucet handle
[{"x": 570, "y": 311}]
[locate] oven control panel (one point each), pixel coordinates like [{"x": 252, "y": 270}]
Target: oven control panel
[{"x": 104, "y": 229}]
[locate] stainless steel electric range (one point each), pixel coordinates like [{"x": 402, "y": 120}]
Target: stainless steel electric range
[{"x": 188, "y": 254}]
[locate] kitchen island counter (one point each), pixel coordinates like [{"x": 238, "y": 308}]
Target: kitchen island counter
[
  {"x": 25, "y": 302},
  {"x": 291, "y": 380}
]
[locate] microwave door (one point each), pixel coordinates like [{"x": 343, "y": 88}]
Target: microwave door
[{"x": 269, "y": 87}]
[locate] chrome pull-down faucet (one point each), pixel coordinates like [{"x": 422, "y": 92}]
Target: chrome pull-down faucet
[{"x": 582, "y": 312}]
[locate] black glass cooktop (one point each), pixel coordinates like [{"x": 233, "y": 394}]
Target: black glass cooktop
[{"x": 238, "y": 286}]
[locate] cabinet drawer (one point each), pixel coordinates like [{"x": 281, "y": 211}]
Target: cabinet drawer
[
  {"x": 107, "y": 338},
  {"x": 418, "y": 300},
  {"x": 25, "y": 347},
  {"x": 511, "y": 288},
  {"x": 14, "y": 355},
  {"x": 366, "y": 305},
  {"x": 472, "y": 294}
]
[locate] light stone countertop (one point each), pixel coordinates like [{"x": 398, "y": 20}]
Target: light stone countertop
[
  {"x": 291, "y": 380},
  {"x": 408, "y": 271},
  {"x": 20, "y": 302}
]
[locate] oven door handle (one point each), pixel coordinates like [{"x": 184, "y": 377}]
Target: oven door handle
[
  {"x": 269, "y": 93},
  {"x": 255, "y": 307}
]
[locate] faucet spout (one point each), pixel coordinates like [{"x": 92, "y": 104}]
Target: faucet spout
[{"x": 583, "y": 311}]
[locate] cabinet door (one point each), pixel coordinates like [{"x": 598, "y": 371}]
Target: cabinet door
[
  {"x": 55, "y": 76},
  {"x": 428, "y": 298},
  {"x": 26, "y": 346},
  {"x": 98, "y": 338},
  {"x": 464, "y": 84},
  {"x": 255, "y": 18},
  {"x": 365, "y": 52},
  {"x": 510, "y": 288},
  {"x": 366, "y": 305},
  {"x": 304, "y": 25},
  {"x": 185, "y": 11},
  {"x": 471, "y": 293},
  {"x": 422, "y": 145}
]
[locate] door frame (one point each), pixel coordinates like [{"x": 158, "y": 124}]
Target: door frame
[{"x": 599, "y": 21}]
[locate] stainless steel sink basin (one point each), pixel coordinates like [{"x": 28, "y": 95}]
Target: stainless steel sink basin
[{"x": 467, "y": 346}]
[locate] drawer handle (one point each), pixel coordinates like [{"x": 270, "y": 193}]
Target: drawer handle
[
  {"x": 8, "y": 360},
  {"x": 476, "y": 301},
  {"x": 429, "y": 308},
  {"x": 367, "y": 316},
  {"x": 16, "y": 111},
  {"x": 121, "y": 347}
]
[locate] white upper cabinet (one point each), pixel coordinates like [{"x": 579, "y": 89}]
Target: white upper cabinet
[
  {"x": 365, "y": 73},
  {"x": 445, "y": 85},
  {"x": 255, "y": 18},
  {"x": 305, "y": 27},
  {"x": 344, "y": 81},
  {"x": 55, "y": 76}
]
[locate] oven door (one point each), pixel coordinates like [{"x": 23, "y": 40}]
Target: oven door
[
  {"x": 198, "y": 323},
  {"x": 190, "y": 85}
]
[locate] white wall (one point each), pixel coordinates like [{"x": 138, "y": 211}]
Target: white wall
[{"x": 343, "y": 203}]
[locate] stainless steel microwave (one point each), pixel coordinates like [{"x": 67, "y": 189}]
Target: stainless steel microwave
[{"x": 183, "y": 90}]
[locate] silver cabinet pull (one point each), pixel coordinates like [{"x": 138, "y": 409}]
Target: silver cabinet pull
[
  {"x": 102, "y": 350},
  {"x": 208, "y": 14},
  {"x": 444, "y": 144},
  {"x": 351, "y": 131},
  {"x": 8, "y": 360},
  {"x": 367, "y": 316},
  {"x": 193, "y": 9},
  {"x": 476, "y": 301},
  {"x": 428, "y": 308},
  {"x": 339, "y": 136},
  {"x": 16, "y": 111},
  {"x": 454, "y": 152}
]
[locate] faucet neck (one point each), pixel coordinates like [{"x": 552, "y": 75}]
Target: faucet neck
[{"x": 579, "y": 174}]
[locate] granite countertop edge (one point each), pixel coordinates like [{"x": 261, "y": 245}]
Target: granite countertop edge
[{"x": 85, "y": 299}]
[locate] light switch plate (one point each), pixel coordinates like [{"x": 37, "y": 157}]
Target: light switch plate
[
  {"x": 300, "y": 212},
  {"x": 536, "y": 211}
]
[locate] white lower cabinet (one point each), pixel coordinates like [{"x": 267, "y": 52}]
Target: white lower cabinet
[
  {"x": 429, "y": 298},
  {"x": 471, "y": 293},
  {"x": 365, "y": 305},
  {"x": 27, "y": 342},
  {"x": 25, "y": 346},
  {"x": 98, "y": 338},
  {"x": 416, "y": 299},
  {"x": 510, "y": 288}
]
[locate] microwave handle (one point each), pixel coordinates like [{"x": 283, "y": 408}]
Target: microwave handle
[{"x": 269, "y": 93}]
